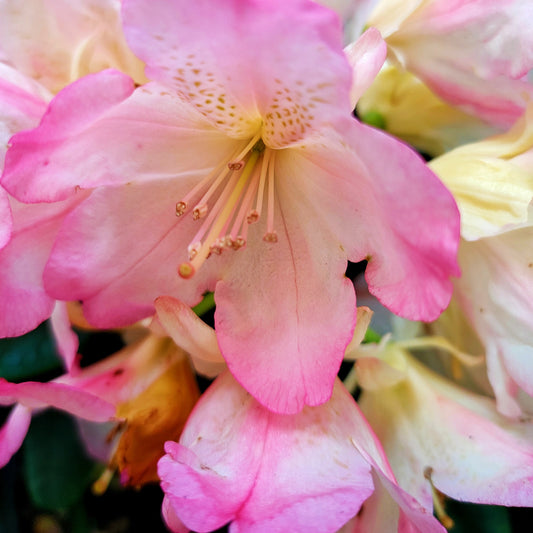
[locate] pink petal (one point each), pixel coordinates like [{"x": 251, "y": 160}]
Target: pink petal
[
  {"x": 472, "y": 54},
  {"x": 266, "y": 472},
  {"x": 171, "y": 520},
  {"x": 393, "y": 211},
  {"x": 285, "y": 312},
  {"x": 38, "y": 167},
  {"x": 366, "y": 57},
  {"x": 6, "y": 220},
  {"x": 13, "y": 432},
  {"x": 250, "y": 59},
  {"x": 93, "y": 259},
  {"x": 68, "y": 398},
  {"x": 496, "y": 293},
  {"x": 22, "y": 104},
  {"x": 191, "y": 334},
  {"x": 24, "y": 304},
  {"x": 66, "y": 339},
  {"x": 474, "y": 454}
]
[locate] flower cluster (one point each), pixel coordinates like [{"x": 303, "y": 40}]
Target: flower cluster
[{"x": 159, "y": 155}]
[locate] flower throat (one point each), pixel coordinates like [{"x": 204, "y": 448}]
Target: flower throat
[{"x": 241, "y": 182}]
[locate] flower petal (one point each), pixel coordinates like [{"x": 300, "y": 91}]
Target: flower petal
[
  {"x": 171, "y": 520},
  {"x": 13, "y": 432},
  {"x": 57, "y": 42},
  {"x": 61, "y": 396},
  {"x": 198, "y": 49},
  {"x": 24, "y": 304},
  {"x": 496, "y": 293},
  {"x": 266, "y": 472},
  {"x": 285, "y": 312},
  {"x": 66, "y": 340},
  {"x": 474, "y": 454},
  {"x": 6, "y": 220},
  {"x": 93, "y": 259},
  {"x": 472, "y": 54},
  {"x": 491, "y": 180},
  {"x": 192, "y": 334},
  {"x": 366, "y": 57},
  {"x": 391, "y": 211},
  {"x": 41, "y": 164}
]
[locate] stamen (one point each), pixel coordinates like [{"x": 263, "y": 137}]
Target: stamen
[
  {"x": 186, "y": 270},
  {"x": 245, "y": 206},
  {"x": 226, "y": 192},
  {"x": 271, "y": 235},
  {"x": 199, "y": 211},
  {"x": 182, "y": 205},
  {"x": 256, "y": 213},
  {"x": 239, "y": 159},
  {"x": 236, "y": 165}
]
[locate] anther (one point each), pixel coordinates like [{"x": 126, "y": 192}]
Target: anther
[
  {"x": 181, "y": 207},
  {"x": 236, "y": 165},
  {"x": 193, "y": 250},
  {"x": 271, "y": 236},
  {"x": 239, "y": 242},
  {"x": 199, "y": 211},
  {"x": 217, "y": 247},
  {"x": 186, "y": 270},
  {"x": 253, "y": 216}
]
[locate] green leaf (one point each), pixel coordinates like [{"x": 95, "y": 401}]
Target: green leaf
[
  {"x": 55, "y": 467},
  {"x": 28, "y": 356},
  {"x": 469, "y": 517},
  {"x": 8, "y": 516}
]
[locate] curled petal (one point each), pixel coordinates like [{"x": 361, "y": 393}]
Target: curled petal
[
  {"x": 65, "y": 397},
  {"x": 13, "y": 432},
  {"x": 366, "y": 57},
  {"x": 191, "y": 334}
]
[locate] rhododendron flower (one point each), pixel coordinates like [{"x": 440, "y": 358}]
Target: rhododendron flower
[
  {"x": 256, "y": 152},
  {"x": 472, "y": 53},
  {"x": 493, "y": 183},
  {"x": 409, "y": 110},
  {"x": 56, "y": 42},
  {"x": 147, "y": 389},
  {"x": 473, "y": 453},
  {"x": 404, "y": 511},
  {"x": 306, "y": 472},
  {"x": 238, "y": 462}
]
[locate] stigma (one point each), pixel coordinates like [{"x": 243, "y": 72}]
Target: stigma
[{"x": 227, "y": 201}]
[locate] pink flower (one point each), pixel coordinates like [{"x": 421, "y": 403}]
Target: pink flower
[
  {"x": 308, "y": 472},
  {"x": 147, "y": 389},
  {"x": 56, "y": 42},
  {"x": 436, "y": 433},
  {"x": 473, "y": 53},
  {"x": 238, "y": 462},
  {"x": 239, "y": 126}
]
